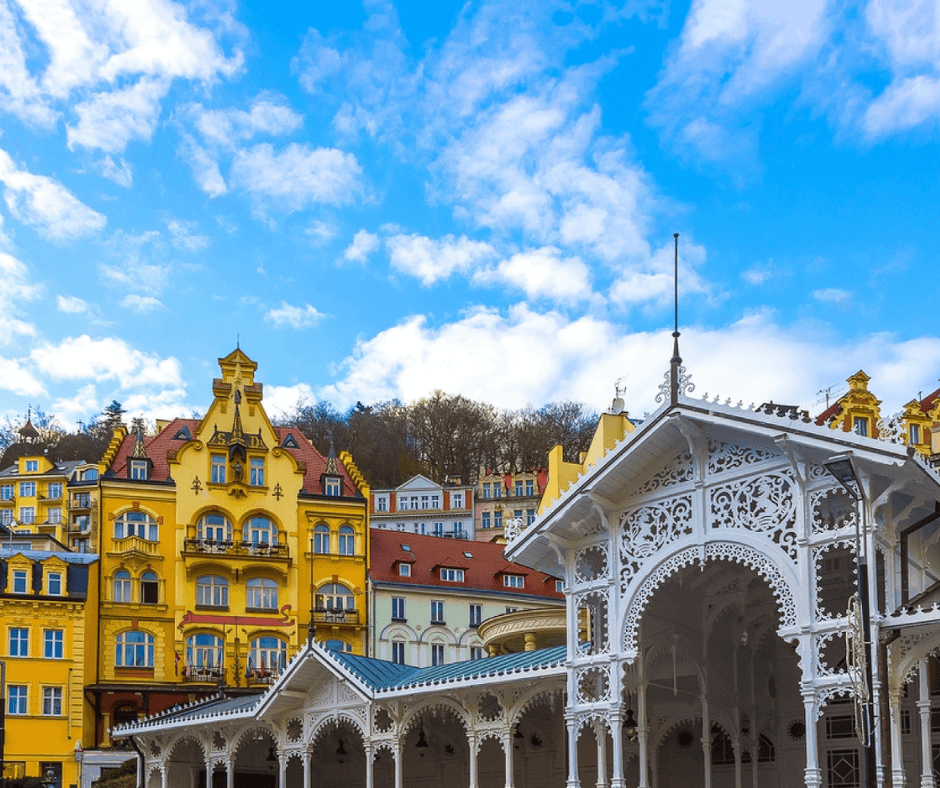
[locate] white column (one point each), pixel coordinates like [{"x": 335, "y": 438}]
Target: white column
[
  {"x": 306, "y": 769},
  {"x": 507, "y": 752},
  {"x": 642, "y": 734},
  {"x": 572, "y": 730},
  {"x": 706, "y": 744},
  {"x": 812, "y": 774},
  {"x": 472, "y": 742},
  {"x": 281, "y": 770},
  {"x": 230, "y": 773},
  {"x": 616, "y": 730},
  {"x": 370, "y": 766},
  {"x": 600, "y": 734},
  {"x": 897, "y": 748},
  {"x": 737, "y": 744},
  {"x": 923, "y": 707},
  {"x": 165, "y": 775},
  {"x": 398, "y": 770}
]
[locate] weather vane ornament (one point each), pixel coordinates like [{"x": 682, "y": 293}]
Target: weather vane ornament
[{"x": 676, "y": 381}]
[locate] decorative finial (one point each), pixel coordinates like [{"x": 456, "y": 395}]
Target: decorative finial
[
  {"x": 140, "y": 450},
  {"x": 675, "y": 381}
]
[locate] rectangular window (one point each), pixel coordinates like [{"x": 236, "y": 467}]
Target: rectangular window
[
  {"x": 510, "y": 609},
  {"x": 398, "y": 608},
  {"x": 486, "y": 521},
  {"x": 52, "y": 701},
  {"x": 139, "y": 470},
  {"x": 32, "y": 466},
  {"x": 860, "y": 426},
  {"x": 52, "y": 643},
  {"x": 6, "y": 517},
  {"x": 451, "y": 575},
  {"x": 529, "y": 516},
  {"x": 19, "y": 642},
  {"x": 333, "y": 486},
  {"x": 256, "y": 471},
  {"x": 518, "y": 489},
  {"x": 54, "y": 584},
  {"x": 398, "y": 652},
  {"x": 421, "y": 528},
  {"x": 424, "y": 502},
  {"x": 20, "y": 581},
  {"x": 435, "y": 502},
  {"x": 476, "y": 652},
  {"x": 404, "y": 570},
  {"x": 6, "y": 492},
  {"x": 517, "y": 514},
  {"x": 437, "y": 654},
  {"x": 27, "y": 515},
  {"x": 497, "y": 490},
  {"x": 54, "y": 515},
  {"x": 82, "y": 500},
  {"x": 486, "y": 489},
  {"x": 498, "y": 519},
  {"x": 529, "y": 487},
  {"x": 458, "y": 529},
  {"x": 438, "y": 529},
  {"x": 218, "y": 468},
  {"x": 55, "y": 491},
  {"x": 841, "y": 727},
  {"x": 381, "y": 503},
  {"x": 905, "y": 721},
  {"x": 27, "y": 489},
  {"x": 437, "y": 611},
  {"x": 842, "y": 768},
  {"x": 476, "y": 614},
  {"x": 456, "y": 500},
  {"x": 559, "y": 586},
  {"x": 914, "y": 434},
  {"x": 514, "y": 581},
  {"x": 16, "y": 699}
]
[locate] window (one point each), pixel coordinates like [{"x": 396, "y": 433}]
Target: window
[
  {"x": 511, "y": 609},
  {"x": 381, "y": 503},
  {"x": 514, "y": 581},
  {"x": 6, "y": 492},
  {"x": 476, "y": 652},
  {"x": 149, "y": 588},
  {"x": 16, "y": 699},
  {"x": 437, "y": 611},
  {"x": 398, "y": 608},
  {"x": 497, "y": 490},
  {"x": 83, "y": 500},
  {"x": 456, "y": 500},
  {"x": 485, "y": 490},
  {"x": 267, "y": 656},
  {"x": 138, "y": 524},
  {"x": 262, "y": 594},
  {"x": 6, "y": 517},
  {"x": 133, "y": 650},
  {"x": 913, "y": 434},
  {"x": 458, "y": 529},
  {"x": 54, "y": 491},
  {"x": 476, "y": 615},
  {"x": 321, "y": 540},
  {"x": 529, "y": 487},
  {"x": 27, "y": 489},
  {"x": 435, "y": 502},
  {"x": 559, "y": 586},
  {"x": 204, "y": 654},
  {"x": 438, "y": 529},
  {"x": 54, "y": 583},
  {"x": 214, "y": 529},
  {"x": 81, "y": 522},
  {"x": 52, "y": 701},
  {"x": 437, "y": 654},
  {"x": 20, "y": 581},
  {"x": 52, "y": 643},
  {"x": 451, "y": 575},
  {"x": 256, "y": 471},
  {"x": 519, "y": 489},
  {"x": 19, "y": 642},
  {"x": 529, "y": 516},
  {"x": 217, "y": 470},
  {"x": 88, "y": 475},
  {"x": 32, "y": 466},
  {"x": 347, "y": 540},
  {"x": 404, "y": 570},
  {"x": 54, "y": 515},
  {"x": 486, "y": 522},
  {"x": 122, "y": 587},
  {"x": 260, "y": 531},
  {"x": 334, "y": 596},
  {"x": 398, "y": 652},
  {"x": 139, "y": 469},
  {"x": 860, "y": 426},
  {"x": 27, "y": 515},
  {"x": 842, "y": 769},
  {"x": 840, "y": 727},
  {"x": 338, "y": 645},
  {"x": 517, "y": 514},
  {"x": 421, "y": 528},
  {"x": 498, "y": 519},
  {"x": 424, "y": 502},
  {"x": 332, "y": 485},
  {"x": 211, "y": 591}
]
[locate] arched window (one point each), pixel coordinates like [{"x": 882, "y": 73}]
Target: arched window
[
  {"x": 267, "y": 657},
  {"x": 334, "y": 596},
  {"x": 122, "y": 586},
  {"x": 262, "y": 594},
  {"x": 321, "y": 539},
  {"x": 203, "y": 655},
  {"x": 260, "y": 531},
  {"x": 211, "y": 591},
  {"x": 133, "y": 650},
  {"x": 347, "y": 541},
  {"x": 214, "y": 529},
  {"x": 138, "y": 524},
  {"x": 149, "y": 588}
]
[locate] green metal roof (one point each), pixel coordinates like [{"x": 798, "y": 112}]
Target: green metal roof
[{"x": 381, "y": 675}]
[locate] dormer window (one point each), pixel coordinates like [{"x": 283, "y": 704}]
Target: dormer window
[
  {"x": 451, "y": 575},
  {"x": 860, "y": 426},
  {"x": 514, "y": 581},
  {"x": 20, "y": 581},
  {"x": 140, "y": 470},
  {"x": 88, "y": 475},
  {"x": 332, "y": 486},
  {"x": 914, "y": 434},
  {"x": 404, "y": 570},
  {"x": 32, "y": 466}
]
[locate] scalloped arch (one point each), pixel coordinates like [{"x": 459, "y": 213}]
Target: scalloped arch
[
  {"x": 593, "y": 717},
  {"x": 436, "y": 705},
  {"x": 770, "y": 562},
  {"x": 239, "y": 738},
  {"x": 179, "y": 739},
  {"x": 496, "y": 735},
  {"x": 908, "y": 663},
  {"x": 534, "y": 697},
  {"x": 333, "y": 722}
]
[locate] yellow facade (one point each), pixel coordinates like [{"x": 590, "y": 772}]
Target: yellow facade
[
  {"x": 32, "y": 495},
  {"x": 47, "y": 610},
  {"x": 218, "y": 536}
]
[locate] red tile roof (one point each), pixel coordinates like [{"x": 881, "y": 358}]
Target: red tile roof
[
  {"x": 483, "y": 572},
  {"x": 829, "y": 413},
  {"x": 160, "y": 445},
  {"x": 928, "y": 402}
]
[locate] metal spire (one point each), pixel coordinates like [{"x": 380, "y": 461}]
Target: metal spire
[{"x": 676, "y": 362}]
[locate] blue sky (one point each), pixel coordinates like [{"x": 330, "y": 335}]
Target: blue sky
[{"x": 388, "y": 198}]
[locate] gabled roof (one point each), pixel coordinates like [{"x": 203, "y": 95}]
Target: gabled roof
[{"x": 482, "y": 569}]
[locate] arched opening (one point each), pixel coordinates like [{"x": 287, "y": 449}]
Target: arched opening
[
  {"x": 338, "y": 756},
  {"x": 185, "y": 762},
  {"x": 256, "y": 759},
  {"x": 720, "y": 686},
  {"x": 435, "y": 750},
  {"x": 539, "y": 743}
]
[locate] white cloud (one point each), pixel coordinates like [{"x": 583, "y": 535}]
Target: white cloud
[
  {"x": 832, "y": 295},
  {"x": 118, "y": 172},
  {"x": 297, "y": 176},
  {"x": 183, "y": 236},
  {"x": 136, "y": 275},
  {"x": 294, "y": 316},
  {"x": 15, "y": 287},
  {"x": 430, "y": 260},
  {"x": 269, "y": 114},
  {"x": 280, "y": 400},
  {"x": 205, "y": 166},
  {"x": 111, "y": 119},
  {"x": 653, "y": 279},
  {"x": 321, "y": 233},
  {"x": 45, "y": 204},
  {"x": 542, "y": 273},
  {"x": 16, "y": 378},
  {"x": 78, "y": 406},
  {"x": 105, "y": 359},
  {"x": 363, "y": 244},
  {"x": 758, "y": 274},
  {"x": 141, "y": 304},
  {"x": 160, "y": 404},
  {"x": 72, "y": 305}
]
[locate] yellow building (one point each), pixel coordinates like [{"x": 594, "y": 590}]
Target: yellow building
[
  {"x": 219, "y": 538},
  {"x": 48, "y": 614},
  {"x": 32, "y": 495}
]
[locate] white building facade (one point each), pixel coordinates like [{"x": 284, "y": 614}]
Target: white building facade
[{"x": 421, "y": 506}]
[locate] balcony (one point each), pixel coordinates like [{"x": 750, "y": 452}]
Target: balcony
[
  {"x": 130, "y": 545},
  {"x": 336, "y": 617},
  {"x": 203, "y": 675},
  {"x": 232, "y": 549},
  {"x": 258, "y": 679},
  {"x": 7, "y": 501},
  {"x": 80, "y": 502}
]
